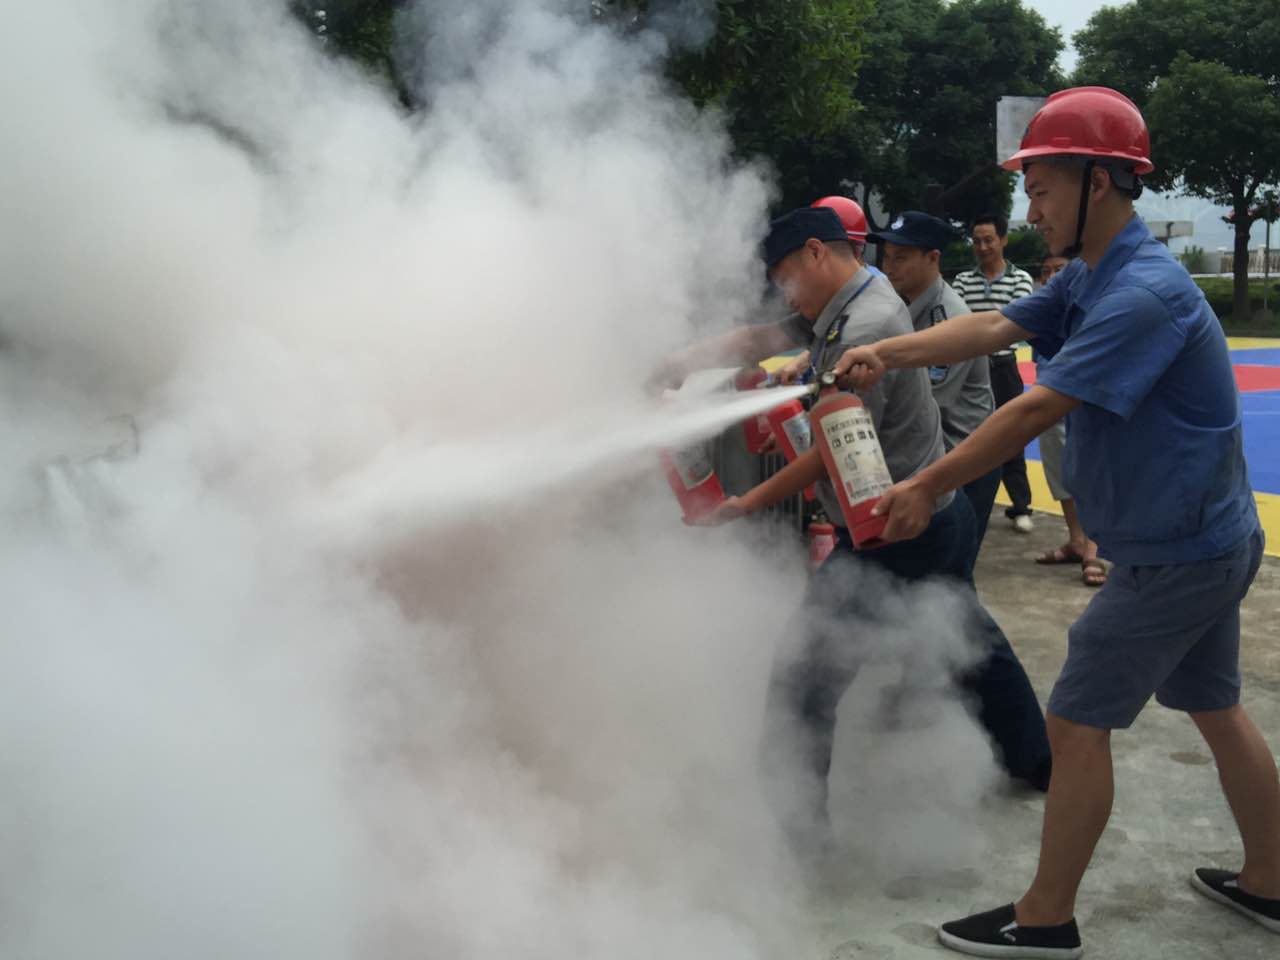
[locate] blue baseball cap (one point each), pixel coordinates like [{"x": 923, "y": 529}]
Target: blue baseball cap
[
  {"x": 791, "y": 230},
  {"x": 916, "y": 229}
]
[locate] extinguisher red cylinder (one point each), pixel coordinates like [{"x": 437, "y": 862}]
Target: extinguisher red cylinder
[
  {"x": 822, "y": 541},
  {"x": 693, "y": 481},
  {"x": 851, "y": 452},
  {"x": 755, "y": 430},
  {"x": 790, "y": 425},
  {"x": 867, "y": 530}
]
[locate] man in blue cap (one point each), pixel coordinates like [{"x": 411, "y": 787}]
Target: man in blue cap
[
  {"x": 839, "y": 303},
  {"x": 912, "y": 250}
]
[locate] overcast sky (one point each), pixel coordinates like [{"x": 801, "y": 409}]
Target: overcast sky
[{"x": 1070, "y": 17}]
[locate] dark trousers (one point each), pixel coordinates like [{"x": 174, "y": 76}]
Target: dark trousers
[
  {"x": 981, "y": 494},
  {"x": 1006, "y": 385},
  {"x": 847, "y": 601}
]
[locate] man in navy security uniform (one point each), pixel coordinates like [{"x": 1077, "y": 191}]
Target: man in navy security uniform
[
  {"x": 840, "y": 303},
  {"x": 1154, "y": 455}
]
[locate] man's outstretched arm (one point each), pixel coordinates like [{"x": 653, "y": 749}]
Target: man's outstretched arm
[
  {"x": 959, "y": 338},
  {"x": 740, "y": 347}
]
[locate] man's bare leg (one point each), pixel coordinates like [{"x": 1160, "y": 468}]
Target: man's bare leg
[
  {"x": 1093, "y": 570},
  {"x": 1077, "y": 543},
  {"x": 1247, "y": 771},
  {"x": 1075, "y": 813}
]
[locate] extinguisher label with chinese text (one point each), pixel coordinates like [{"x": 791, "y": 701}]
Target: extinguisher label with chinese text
[
  {"x": 851, "y": 436},
  {"x": 799, "y": 432},
  {"x": 692, "y": 464}
]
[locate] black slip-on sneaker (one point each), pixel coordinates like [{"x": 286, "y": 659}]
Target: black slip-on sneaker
[
  {"x": 1222, "y": 885},
  {"x": 996, "y": 933}
]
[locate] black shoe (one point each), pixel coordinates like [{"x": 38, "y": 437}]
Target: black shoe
[
  {"x": 996, "y": 934},
  {"x": 1221, "y": 885}
]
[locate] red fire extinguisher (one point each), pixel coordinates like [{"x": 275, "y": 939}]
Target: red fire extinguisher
[
  {"x": 755, "y": 429},
  {"x": 692, "y": 480},
  {"x": 790, "y": 424},
  {"x": 850, "y": 449},
  {"x": 822, "y": 540}
]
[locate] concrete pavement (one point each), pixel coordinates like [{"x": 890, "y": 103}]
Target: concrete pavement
[{"x": 1169, "y": 815}]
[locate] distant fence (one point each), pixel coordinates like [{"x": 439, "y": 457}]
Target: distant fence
[{"x": 1256, "y": 264}]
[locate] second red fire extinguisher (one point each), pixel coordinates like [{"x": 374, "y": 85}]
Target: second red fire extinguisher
[
  {"x": 790, "y": 424},
  {"x": 693, "y": 480},
  {"x": 755, "y": 429}
]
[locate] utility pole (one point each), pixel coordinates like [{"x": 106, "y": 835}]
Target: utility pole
[
  {"x": 1268, "y": 210},
  {"x": 1273, "y": 211}
]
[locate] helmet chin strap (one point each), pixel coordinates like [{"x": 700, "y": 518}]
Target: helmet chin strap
[{"x": 1073, "y": 251}]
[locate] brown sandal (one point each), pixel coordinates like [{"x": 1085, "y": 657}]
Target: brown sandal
[
  {"x": 1093, "y": 572},
  {"x": 1059, "y": 555}
]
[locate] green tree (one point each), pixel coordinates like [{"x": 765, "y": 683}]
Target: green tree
[
  {"x": 362, "y": 30},
  {"x": 930, "y": 86},
  {"x": 359, "y": 29},
  {"x": 785, "y": 74},
  {"x": 892, "y": 94},
  {"x": 1194, "y": 259},
  {"x": 1205, "y": 74}
]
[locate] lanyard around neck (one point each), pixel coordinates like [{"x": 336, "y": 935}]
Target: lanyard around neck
[{"x": 818, "y": 349}]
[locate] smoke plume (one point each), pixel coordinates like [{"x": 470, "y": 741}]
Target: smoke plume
[{"x": 274, "y": 683}]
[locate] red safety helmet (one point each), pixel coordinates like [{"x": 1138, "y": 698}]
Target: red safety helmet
[
  {"x": 1093, "y": 122},
  {"x": 850, "y": 214}
]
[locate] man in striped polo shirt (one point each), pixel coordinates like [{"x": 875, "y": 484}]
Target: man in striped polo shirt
[{"x": 993, "y": 285}]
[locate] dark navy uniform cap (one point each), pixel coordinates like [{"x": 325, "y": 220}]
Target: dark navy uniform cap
[
  {"x": 916, "y": 229},
  {"x": 790, "y": 231}
]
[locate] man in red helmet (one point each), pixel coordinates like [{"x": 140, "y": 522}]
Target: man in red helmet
[
  {"x": 854, "y": 219},
  {"x": 1138, "y": 363},
  {"x": 851, "y": 216}
]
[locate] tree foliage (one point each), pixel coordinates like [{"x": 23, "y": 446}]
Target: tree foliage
[
  {"x": 930, "y": 87},
  {"x": 894, "y": 95},
  {"x": 360, "y": 29},
  {"x": 785, "y": 74},
  {"x": 1205, "y": 74},
  {"x": 1131, "y": 47},
  {"x": 1215, "y": 130}
]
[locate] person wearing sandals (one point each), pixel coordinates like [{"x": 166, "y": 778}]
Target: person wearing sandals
[
  {"x": 1078, "y": 548},
  {"x": 1155, "y": 455}
]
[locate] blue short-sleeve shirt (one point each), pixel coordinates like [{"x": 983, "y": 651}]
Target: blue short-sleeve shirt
[{"x": 1154, "y": 454}]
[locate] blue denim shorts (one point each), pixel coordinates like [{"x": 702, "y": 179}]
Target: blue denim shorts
[{"x": 1172, "y": 631}]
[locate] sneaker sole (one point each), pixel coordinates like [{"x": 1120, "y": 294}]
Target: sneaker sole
[
  {"x": 1201, "y": 887},
  {"x": 995, "y": 950}
]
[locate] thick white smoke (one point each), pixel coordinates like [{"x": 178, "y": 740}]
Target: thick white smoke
[{"x": 249, "y": 710}]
